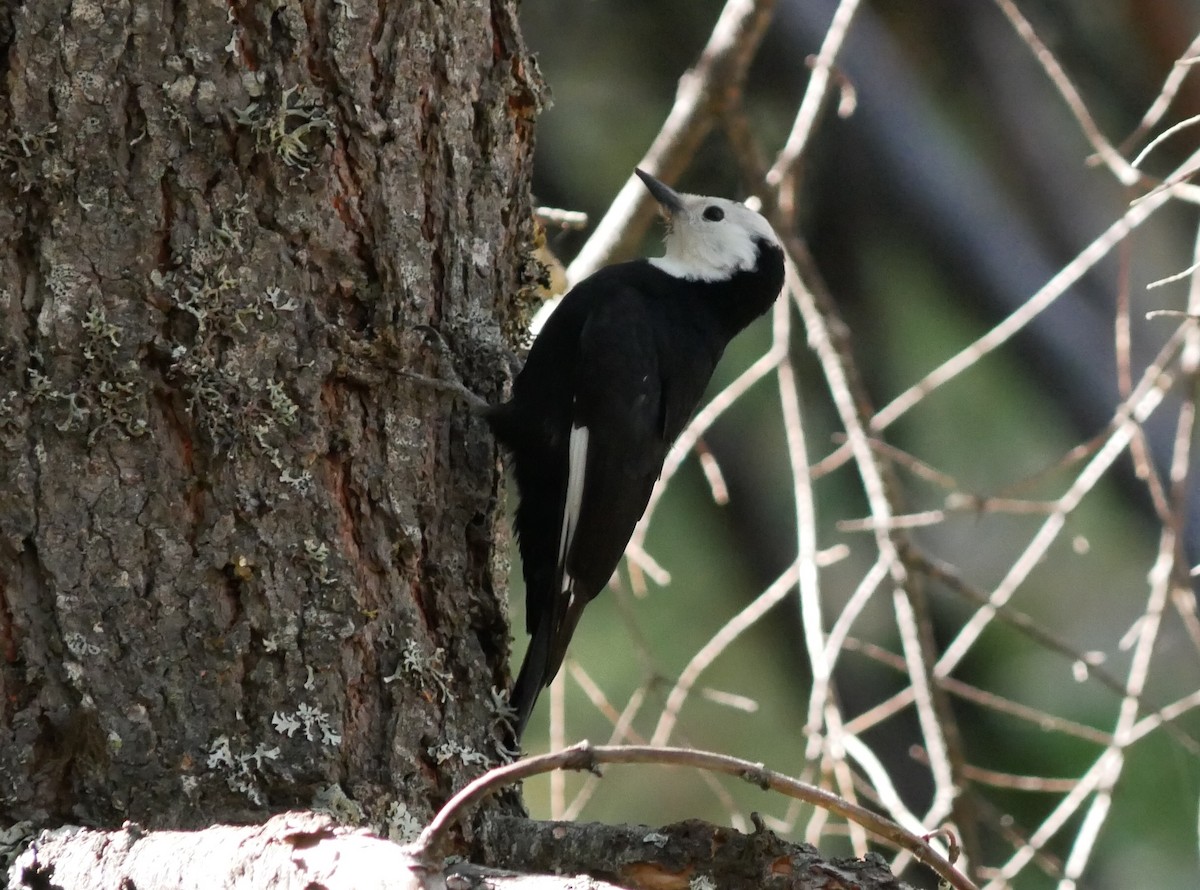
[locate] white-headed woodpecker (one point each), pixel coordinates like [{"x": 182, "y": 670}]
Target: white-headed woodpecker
[{"x": 611, "y": 380}]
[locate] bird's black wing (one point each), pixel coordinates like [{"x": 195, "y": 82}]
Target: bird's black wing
[
  {"x": 615, "y": 454},
  {"x": 589, "y": 389},
  {"x": 582, "y": 498}
]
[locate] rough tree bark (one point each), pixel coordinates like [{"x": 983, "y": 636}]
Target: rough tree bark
[{"x": 243, "y": 564}]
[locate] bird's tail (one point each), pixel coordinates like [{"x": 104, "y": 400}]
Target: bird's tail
[
  {"x": 547, "y": 649},
  {"x": 531, "y": 679}
]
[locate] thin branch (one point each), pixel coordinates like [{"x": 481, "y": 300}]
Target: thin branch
[
  {"x": 782, "y": 176},
  {"x": 1113, "y": 758},
  {"x": 1178, "y": 276},
  {"x": 1034, "y": 306},
  {"x": 1147, "y": 396},
  {"x": 838, "y": 764},
  {"x": 1043, "y": 720},
  {"x": 1059, "y": 816},
  {"x": 811, "y": 615},
  {"x": 1120, "y": 168},
  {"x": 881, "y": 783},
  {"x": 851, "y": 403},
  {"x": 1162, "y": 578},
  {"x": 1166, "y": 95},
  {"x": 1004, "y": 825},
  {"x": 851, "y": 611},
  {"x": 1164, "y": 716},
  {"x": 1014, "y": 618},
  {"x": 1008, "y": 781},
  {"x": 572, "y": 220},
  {"x": 1163, "y": 137},
  {"x": 712, "y": 474},
  {"x": 720, "y": 641}
]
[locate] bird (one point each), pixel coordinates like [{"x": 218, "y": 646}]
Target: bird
[{"x": 609, "y": 383}]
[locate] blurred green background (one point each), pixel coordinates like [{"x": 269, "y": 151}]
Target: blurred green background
[{"x": 957, "y": 188}]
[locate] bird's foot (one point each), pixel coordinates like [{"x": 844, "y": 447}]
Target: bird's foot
[
  {"x": 451, "y": 387},
  {"x": 449, "y": 382}
]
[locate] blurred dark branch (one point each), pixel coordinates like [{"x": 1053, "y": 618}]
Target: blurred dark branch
[{"x": 1091, "y": 662}]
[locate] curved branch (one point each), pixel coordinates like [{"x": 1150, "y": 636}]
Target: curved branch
[{"x": 584, "y": 756}]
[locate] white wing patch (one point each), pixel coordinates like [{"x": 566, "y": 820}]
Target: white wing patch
[{"x": 577, "y": 449}]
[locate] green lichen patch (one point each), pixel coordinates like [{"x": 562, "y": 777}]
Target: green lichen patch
[
  {"x": 222, "y": 347},
  {"x": 292, "y": 127},
  {"x": 107, "y": 396},
  {"x": 28, "y": 160}
]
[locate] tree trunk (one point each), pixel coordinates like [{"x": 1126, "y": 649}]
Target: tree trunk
[{"x": 244, "y": 565}]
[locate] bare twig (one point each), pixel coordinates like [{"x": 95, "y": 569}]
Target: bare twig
[
  {"x": 1042, "y": 719},
  {"x": 782, "y": 175},
  {"x": 1001, "y": 333},
  {"x": 721, "y": 641},
  {"x": 1165, "y": 96},
  {"x": 1146, "y": 397},
  {"x": 563, "y": 219},
  {"x": 1120, "y": 168}
]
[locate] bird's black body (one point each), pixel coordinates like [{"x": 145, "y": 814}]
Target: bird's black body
[{"x": 610, "y": 382}]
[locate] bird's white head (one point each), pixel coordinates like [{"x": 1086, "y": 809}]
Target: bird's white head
[{"x": 708, "y": 239}]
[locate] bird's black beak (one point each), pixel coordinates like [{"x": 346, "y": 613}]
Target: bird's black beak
[{"x": 667, "y": 198}]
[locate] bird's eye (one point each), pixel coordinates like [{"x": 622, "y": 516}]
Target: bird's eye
[{"x": 713, "y": 213}]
